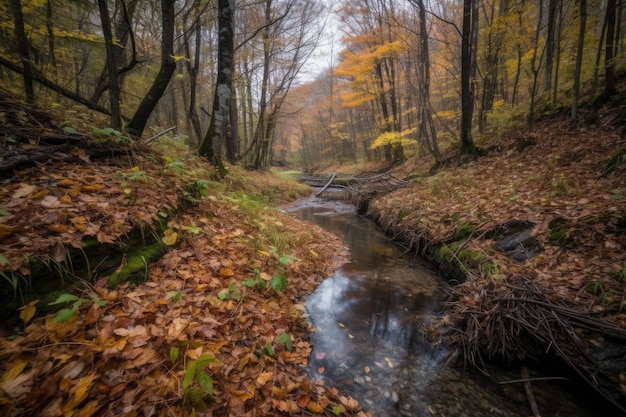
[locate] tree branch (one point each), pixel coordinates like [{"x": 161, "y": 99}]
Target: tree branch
[{"x": 55, "y": 87}]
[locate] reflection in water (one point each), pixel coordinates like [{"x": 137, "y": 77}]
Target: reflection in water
[{"x": 368, "y": 341}]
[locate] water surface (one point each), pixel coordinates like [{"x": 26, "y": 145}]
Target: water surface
[{"x": 369, "y": 340}]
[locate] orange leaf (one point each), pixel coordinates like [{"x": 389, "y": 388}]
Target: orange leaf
[
  {"x": 65, "y": 181},
  {"x": 303, "y": 400},
  {"x": 226, "y": 272},
  {"x": 315, "y": 408},
  {"x": 263, "y": 378}
]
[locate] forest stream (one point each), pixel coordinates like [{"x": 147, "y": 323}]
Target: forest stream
[{"x": 369, "y": 320}]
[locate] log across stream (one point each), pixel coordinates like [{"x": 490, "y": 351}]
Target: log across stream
[{"x": 370, "y": 318}]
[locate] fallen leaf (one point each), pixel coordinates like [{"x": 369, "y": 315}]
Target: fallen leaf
[
  {"x": 176, "y": 328},
  {"x": 50, "y": 202},
  {"x": 170, "y": 239},
  {"x": 315, "y": 408},
  {"x": 263, "y": 378},
  {"x": 28, "y": 311},
  {"x": 78, "y": 393},
  {"x": 12, "y": 373}
]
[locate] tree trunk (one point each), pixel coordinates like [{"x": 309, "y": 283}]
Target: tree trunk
[
  {"x": 468, "y": 59},
  {"x": 168, "y": 65},
  {"x": 22, "y": 44},
  {"x": 111, "y": 63},
  {"x": 211, "y": 145},
  {"x": 579, "y": 59},
  {"x": 609, "y": 54},
  {"x": 535, "y": 67},
  {"x": 123, "y": 32},
  {"x": 550, "y": 44}
]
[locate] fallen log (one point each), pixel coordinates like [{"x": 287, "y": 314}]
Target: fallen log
[{"x": 332, "y": 177}]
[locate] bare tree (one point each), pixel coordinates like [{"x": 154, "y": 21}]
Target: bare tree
[
  {"x": 211, "y": 145},
  {"x": 168, "y": 65},
  {"x": 468, "y": 65},
  {"x": 111, "y": 64},
  {"x": 22, "y": 44},
  {"x": 579, "y": 58}
]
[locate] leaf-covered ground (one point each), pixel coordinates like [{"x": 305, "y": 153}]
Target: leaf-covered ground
[
  {"x": 555, "y": 181},
  {"x": 218, "y": 327}
]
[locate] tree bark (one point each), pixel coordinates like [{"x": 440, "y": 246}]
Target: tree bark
[
  {"x": 468, "y": 59},
  {"x": 168, "y": 65},
  {"x": 123, "y": 32},
  {"x": 211, "y": 145},
  {"x": 111, "y": 63},
  {"x": 579, "y": 58},
  {"x": 22, "y": 44},
  {"x": 609, "y": 54}
]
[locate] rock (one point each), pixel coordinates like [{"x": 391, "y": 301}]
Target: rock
[{"x": 520, "y": 246}]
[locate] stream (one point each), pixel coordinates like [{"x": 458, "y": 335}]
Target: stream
[{"x": 369, "y": 336}]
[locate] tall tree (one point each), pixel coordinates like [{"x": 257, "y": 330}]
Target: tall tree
[
  {"x": 611, "y": 48},
  {"x": 23, "y": 47},
  {"x": 137, "y": 124},
  {"x": 111, "y": 64},
  {"x": 211, "y": 145},
  {"x": 582, "y": 11},
  {"x": 468, "y": 65},
  {"x": 426, "y": 126}
]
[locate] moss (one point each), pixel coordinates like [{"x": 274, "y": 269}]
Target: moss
[
  {"x": 560, "y": 233},
  {"x": 136, "y": 267},
  {"x": 463, "y": 231},
  {"x": 47, "y": 279}
]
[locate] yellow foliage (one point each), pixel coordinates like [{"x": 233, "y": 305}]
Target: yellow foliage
[{"x": 392, "y": 138}]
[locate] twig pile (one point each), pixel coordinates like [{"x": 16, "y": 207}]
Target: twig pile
[{"x": 519, "y": 319}]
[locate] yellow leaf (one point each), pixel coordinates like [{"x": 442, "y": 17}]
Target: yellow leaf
[
  {"x": 12, "y": 373},
  {"x": 38, "y": 195},
  {"x": 78, "y": 393},
  {"x": 65, "y": 181},
  {"x": 28, "y": 311},
  {"x": 170, "y": 239},
  {"x": 263, "y": 378}
]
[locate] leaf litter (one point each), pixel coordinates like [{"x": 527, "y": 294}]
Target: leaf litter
[{"x": 169, "y": 346}]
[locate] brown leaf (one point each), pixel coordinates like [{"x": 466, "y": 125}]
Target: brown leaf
[{"x": 263, "y": 378}]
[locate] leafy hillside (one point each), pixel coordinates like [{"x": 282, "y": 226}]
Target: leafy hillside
[
  {"x": 536, "y": 230},
  {"x": 174, "y": 293}
]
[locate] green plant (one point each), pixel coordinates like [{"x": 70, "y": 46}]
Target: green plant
[
  {"x": 77, "y": 302},
  {"x": 19, "y": 284},
  {"x": 232, "y": 293},
  {"x": 596, "y": 288},
  {"x": 255, "y": 281},
  {"x": 108, "y": 133},
  {"x": 279, "y": 280},
  {"x": 176, "y": 296},
  {"x": 560, "y": 184},
  {"x": 197, "y": 383},
  {"x": 131, "y": 178}
]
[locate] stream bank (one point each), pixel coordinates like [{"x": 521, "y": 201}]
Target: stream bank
[
  {"x": 535, "y": 238},
  {"x": 372, "y": 318}
]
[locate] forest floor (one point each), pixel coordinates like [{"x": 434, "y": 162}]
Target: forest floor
[
  {"x": 214, "y": 326},
  {"x": 218, "y": 326},
  {"x": 535, "y": 231}
]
